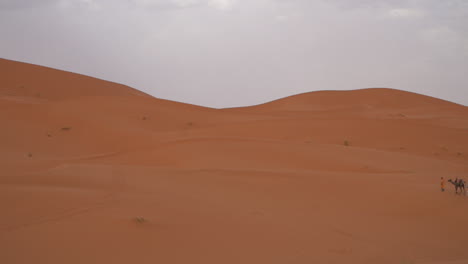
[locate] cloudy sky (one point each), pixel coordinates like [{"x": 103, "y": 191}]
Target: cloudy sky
[{"x": 224, "y": 53}]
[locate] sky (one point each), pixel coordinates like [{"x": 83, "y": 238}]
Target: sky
[{"x": 227, "y": 53}]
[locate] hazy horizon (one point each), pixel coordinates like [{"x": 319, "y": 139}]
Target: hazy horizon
[{"x": 227, "y": 53}]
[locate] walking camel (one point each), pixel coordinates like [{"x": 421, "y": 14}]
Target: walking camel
[{"x": 459, "y": 184}]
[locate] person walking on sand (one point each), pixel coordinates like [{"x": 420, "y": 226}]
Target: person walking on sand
[{"x": 442, "y": 184}]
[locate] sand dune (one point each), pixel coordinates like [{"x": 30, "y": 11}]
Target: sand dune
[
  {"x": 26, "y": 80},
  {"x": 97, "y": 172}
]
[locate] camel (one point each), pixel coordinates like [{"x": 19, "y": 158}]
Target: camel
[{"x": 459, "y": 184}]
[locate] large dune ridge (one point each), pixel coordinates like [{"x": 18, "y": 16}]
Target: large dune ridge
[{"x": 98, "y": 172}]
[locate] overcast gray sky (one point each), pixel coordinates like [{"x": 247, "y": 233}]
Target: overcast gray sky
[{"x": 224, "y": 53}]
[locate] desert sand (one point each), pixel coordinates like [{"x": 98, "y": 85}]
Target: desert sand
[{"x": 98, "y": 172}]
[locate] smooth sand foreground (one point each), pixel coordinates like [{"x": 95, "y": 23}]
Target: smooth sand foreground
[{"x": 97, "y": 172}]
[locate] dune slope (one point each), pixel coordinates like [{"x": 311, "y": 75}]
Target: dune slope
[{"x": 97, "y": 172}]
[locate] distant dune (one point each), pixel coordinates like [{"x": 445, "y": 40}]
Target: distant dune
[
  {"x": 98, "y": 172},
  {"x": 33, "y": 81}
]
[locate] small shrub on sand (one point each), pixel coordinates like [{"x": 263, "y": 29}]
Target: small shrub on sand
[
  {"x": 66, "y": 128},
  {"x": 30, "y": 155},
  {"x": 346, "y": 143},
  {"x": 140, "y": 220}
]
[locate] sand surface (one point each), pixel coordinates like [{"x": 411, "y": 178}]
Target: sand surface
[{"x": 97, "y": 172}]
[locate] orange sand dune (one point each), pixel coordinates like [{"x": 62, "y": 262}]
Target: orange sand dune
[
  {"x": 97, "y": 172},
  {"x": 27, "y": 80}
]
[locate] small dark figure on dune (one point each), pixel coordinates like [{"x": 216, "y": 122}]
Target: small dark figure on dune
[{"x": 459, "y": 184}]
